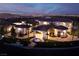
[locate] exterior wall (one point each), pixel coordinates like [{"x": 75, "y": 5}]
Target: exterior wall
[
  {"x": 62, "y": 32},
  {"x": 55, "y": 32},
  {"x": 70, "y": 25},
  {"x": 66, "y": 24},
  {"x": 41, "y": 35},
  {"x": 8, "y": 28},
  {"x": 22, "y": 30}
]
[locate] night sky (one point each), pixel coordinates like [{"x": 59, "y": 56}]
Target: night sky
[{"x": 40, "y": 8}]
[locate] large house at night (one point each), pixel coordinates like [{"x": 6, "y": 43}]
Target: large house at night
[
  {"x": 47, "y": 28},
  {"x": 58, "y": 27}
]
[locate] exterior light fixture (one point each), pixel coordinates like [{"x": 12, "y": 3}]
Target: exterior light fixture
[
  {"x": 9, "y": 29},
  {"x": 45, "y": 23},
  {"x": 64, "y": 24},
  {"x": 19, "y": 29},
  {"x": 23, "y": 22},
  {"x": 18, "y": 23},
  {"x": 30, "y": 24},
  {"x": 62, "y": 33}
]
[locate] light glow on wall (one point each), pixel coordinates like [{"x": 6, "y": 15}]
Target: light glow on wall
[
  {"x": 9, "y": 28},
  {"x": 39, "y": 36},
  {"x": 45, "y": 23},
  {"x": 23, "y": 22},
  {"x": 64, "y": 24},
  {"x": 63, "y": 33},
  {"x": 18, "y": 23},
  {"x": 55, "y": 32},
  {"x": 30, "y": 24},
  {"x": 19, "y": 29}
]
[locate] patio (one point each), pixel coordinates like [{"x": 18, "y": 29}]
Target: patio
[{"x": 67, "y": 39}]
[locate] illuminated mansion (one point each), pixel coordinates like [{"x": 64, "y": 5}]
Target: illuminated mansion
[{"x": 42, "y": 29}]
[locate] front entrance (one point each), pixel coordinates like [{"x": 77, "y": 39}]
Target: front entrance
[{"x": 59, "y": 34}]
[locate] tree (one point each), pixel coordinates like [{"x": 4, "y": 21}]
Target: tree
[
  {"x": 2, "y": 30},
  {"x": 75, "y": 31},
  {"x": 13, "y": 34}
]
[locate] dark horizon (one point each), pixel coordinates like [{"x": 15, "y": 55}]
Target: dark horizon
[{"x": 40, "y": 8}]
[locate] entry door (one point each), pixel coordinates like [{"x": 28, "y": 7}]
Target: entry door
[{"x": 59, "y": 34}]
